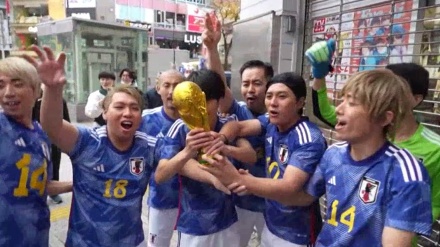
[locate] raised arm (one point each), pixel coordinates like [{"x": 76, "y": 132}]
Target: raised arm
[
  {"x": 322, "y": 107},
  {"x": 211, "y": 37},
  {"x": 320, "y": 57},
  {"x": 51, "y": 71}
]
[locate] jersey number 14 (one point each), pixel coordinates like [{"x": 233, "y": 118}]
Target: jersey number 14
[
  {"x": 36, "y": 181},
  {"x": 347, "y": 217}
]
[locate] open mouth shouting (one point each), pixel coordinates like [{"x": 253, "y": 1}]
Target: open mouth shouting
[
  {"x": 126, "y": 125},
  {"x": 273, "y": 113},
  {"x": 340, "y": 124}
]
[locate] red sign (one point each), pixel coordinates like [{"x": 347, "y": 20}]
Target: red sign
[
  {"x": 195, "y": 18},
  {"x": 195, "y": 24},
  {"x": 319, "y": 25}
]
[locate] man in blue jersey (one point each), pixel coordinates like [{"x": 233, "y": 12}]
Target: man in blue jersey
[
  {"x": 26, "y": 167},
  {"x": 207, "y": 215},
  {"x": 294, "y": 147},
  {"x": 377, "y": 194},
  {"x": 111, "y": 164},
  {"x": 254, "y": 77},
  {"x": 163, "y": 199}
]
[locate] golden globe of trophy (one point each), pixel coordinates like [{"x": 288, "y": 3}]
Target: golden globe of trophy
[{"x": 190, "y": 102}]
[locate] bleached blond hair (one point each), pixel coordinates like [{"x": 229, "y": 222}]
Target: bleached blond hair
[
  {"x": 19, "y": 68},
  {"x": 379, "y": 91}
]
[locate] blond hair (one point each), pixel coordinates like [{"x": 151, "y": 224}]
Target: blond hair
[
  {"x": 19, "y": 68},
  {"x": 380, "y": 90},
  {"x": 122, "y": 88}
]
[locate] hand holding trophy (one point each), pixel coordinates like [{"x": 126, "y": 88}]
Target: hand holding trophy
[{"x": 190, "y": 102}]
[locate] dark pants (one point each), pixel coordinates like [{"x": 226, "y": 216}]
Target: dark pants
[{"x": 56, "y": 160}]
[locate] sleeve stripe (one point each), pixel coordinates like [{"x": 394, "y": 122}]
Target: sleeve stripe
[
  {"x": 304, "y": 133},
  {"x": 300, "y": 137},
  {"x": 408, "y": 164},
  {"x": 402, "y": 168},
  {"x": 150, "y": 139},
  {"x": 174, "y": 129}
]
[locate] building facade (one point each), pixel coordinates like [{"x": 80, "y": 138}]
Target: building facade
[
  {"x": 5, "y": 35},
  {"x": 171, "y": 24}
]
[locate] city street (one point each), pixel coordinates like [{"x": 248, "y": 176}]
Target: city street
[{"x": 60, "y": 212}]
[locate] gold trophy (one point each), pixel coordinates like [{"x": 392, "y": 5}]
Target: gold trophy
[{"x": 190, "y": 102}]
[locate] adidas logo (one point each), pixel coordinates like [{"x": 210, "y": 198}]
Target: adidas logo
[
  {"x": 20, "y": 142},
  {"x": 99, "y": 168},
  {"x": 332, "y": 180}
]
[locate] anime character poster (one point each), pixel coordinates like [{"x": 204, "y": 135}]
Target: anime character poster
[
  {"x": 381, "y": 36},
  {"x": 367, "y": 38}
]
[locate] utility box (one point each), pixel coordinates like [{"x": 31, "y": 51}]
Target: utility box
[{"x": 91, "y": 47}]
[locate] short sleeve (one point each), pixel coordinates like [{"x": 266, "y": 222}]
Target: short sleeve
[
  {"x": 409, "y": 207},
  {"x": 174, "y": 141},
  {"x": 85, "y": 139},
  {"x": 308, "y": 156},
  {"x": 316, "y": 184}
]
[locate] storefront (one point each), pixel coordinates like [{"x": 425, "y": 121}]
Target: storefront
[
  {"x": 372, "y": 34},
  {"x": 193, "y": 43},
  {"x": 91, "y": 47}
]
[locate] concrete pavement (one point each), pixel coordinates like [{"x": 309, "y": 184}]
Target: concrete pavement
[{"x": 60, "y": 212}]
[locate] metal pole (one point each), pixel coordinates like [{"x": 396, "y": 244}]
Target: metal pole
[{"x": 2, "y": 18}]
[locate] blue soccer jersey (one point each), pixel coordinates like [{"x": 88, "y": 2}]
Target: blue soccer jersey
[
  {"x": 203, "y": 209},
  {"x": 390, "y": 188},
  {"x": 108, "y": 186},
  {"x": 155, "y": 122},
  {"x": 301, "y": 146},
  {"x": 25, "y": 160},
  {"x": 250, "y": 202}
]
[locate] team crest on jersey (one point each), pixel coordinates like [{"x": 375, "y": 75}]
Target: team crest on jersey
[
  {"x": 283, "y": 153},
  {"x": 137, "y": 165},
  {"x": 368, "y": 190}
]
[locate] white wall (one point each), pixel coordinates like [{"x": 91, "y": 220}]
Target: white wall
[
  {"x": 250, "y": 8},
  {"x": 290, "y": 44}
]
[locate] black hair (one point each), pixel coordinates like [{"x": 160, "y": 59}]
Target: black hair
[
  {"x": 294, "y": 82},
  {"x": 416, "y": 76},
  {"x": 131, "y": 74},
  {"x": 210, "y": 82},
  {"x": 105, "y": 74},
  {"x": 268, "y": 69}
]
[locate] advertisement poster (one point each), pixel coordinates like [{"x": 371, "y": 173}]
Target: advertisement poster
[
  {"x": 195, "y": 18},
  {"x": 381, "y": 38},
  {"x": 366, "y": 39}
]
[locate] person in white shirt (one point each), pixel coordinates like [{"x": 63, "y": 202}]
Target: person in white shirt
[{"x": 94, "y": 107}]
